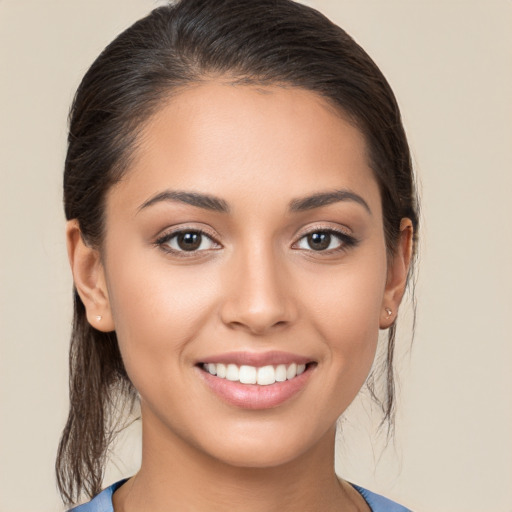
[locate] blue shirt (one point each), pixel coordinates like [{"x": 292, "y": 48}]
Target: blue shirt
[{"x": 103, "y": 501}]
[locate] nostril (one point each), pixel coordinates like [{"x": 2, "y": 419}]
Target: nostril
[
  {"x": 258, "y": 326},
  {"x": 257, "y": 304}
]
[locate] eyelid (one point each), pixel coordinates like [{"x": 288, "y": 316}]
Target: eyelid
[
  {"x": 312, "y": 228},
  {"x": 168, "y": 234},
  {"x": 342, "y": 231},
  {"x": 345, "y": 235}
]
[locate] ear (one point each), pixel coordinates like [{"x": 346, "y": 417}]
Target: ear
[
  {"x": 398, "y": 270},
  {"x": 89, "y": 278}
]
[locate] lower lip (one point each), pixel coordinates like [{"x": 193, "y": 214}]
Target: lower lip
[{"x": 253, "y": 396}]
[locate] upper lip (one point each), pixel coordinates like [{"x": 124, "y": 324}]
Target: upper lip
[{"x": 256, "y": 359}]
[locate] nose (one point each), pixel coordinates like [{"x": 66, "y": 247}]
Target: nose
[{"x": 258, "y": 296}]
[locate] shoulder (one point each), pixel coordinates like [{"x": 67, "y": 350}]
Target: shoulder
[
  {"x": 102, "y": 502},
  {"x": 378, "y": 503}
]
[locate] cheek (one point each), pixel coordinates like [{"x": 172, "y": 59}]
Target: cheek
[
  {"x": 345, "y": 309},
  {"x": 348, "y": 300},
  {"x": 157, "y": 310}
]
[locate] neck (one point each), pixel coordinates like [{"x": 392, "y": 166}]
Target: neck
[{"x": 177, "y": 476}]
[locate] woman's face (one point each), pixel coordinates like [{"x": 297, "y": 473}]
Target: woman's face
[{"x": 246, "y": 239}]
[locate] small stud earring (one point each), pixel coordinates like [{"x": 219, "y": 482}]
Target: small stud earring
[
  {"x": 388, "y": 311},
  {"x": 98, "y": 317}
]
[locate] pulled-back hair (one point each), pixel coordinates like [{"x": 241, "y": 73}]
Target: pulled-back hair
[{"x": 245, "y": 41}]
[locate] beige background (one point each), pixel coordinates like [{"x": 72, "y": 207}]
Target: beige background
[{"x": 449, "y": 63}]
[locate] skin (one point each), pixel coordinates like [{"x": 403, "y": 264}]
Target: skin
[{"x": 255, "y": 285}]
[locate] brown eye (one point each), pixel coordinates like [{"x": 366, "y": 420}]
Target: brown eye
[
  {"x": 319, "y": 241},
  {"x": 189, "y": 241},
  {"x": 325, "y": 240}
]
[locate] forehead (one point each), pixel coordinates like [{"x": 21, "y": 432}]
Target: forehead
[{"x": 234, "y": 141}]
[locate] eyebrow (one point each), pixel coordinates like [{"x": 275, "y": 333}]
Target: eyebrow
[
  {"x": 209, "y": 202},
  {"x": 205, "y": 201},
  {"x": 327, "y": 198}
]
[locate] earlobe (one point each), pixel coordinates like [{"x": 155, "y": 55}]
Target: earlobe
[
  {"x": 398, "y": 271},
  {"x": 89, "y": 278}
]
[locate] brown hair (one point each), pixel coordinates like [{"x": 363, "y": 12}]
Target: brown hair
[{"x": 251, "y": 41}]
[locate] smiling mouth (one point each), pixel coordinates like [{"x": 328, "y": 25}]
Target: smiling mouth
[
  {"x": 262, "y": 376},
  {"x": 256, "y": 381}
]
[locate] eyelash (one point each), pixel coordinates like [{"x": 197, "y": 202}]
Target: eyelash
[
  {"x": 163, "y": 241},
  {"x": 346, "y": 241}
]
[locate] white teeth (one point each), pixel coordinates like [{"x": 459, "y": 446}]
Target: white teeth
[
  {"x": 248, "y": 374},
  {"x": 281, "y": 373},
  {"x": 263, "y": 376},
  {"x": 266, "y": 375},
  {"x": 221, "y": 370},
  {"x": 291, "y": 371},
  {"x": 232, "y": 372}
]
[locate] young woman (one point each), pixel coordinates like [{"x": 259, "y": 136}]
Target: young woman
[{"x": 241, "y": 224}]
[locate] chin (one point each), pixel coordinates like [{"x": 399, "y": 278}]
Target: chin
[
  {"x": 267, "y": 447},
  {"x": 253, "y": 458}
]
